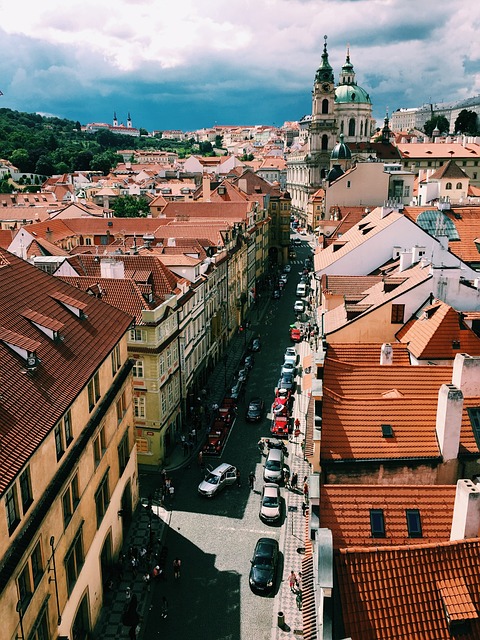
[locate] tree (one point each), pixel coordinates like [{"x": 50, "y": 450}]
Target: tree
[
  {"x": 466, "y": 122},
  {"x": 44, "y": 166},
  {"x": 436, "y": 122},
  {"x": 130, "y": 207},
  {"x": 218, "y": 141},
  {"x": 21, "y": 159},
  {"x": 104, "y": 161},
  {"x": 205, "y": 147},
  {"x": 143, "y": 132}
]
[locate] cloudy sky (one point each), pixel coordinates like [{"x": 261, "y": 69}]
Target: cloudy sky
[{"x": 187, "y": 64}]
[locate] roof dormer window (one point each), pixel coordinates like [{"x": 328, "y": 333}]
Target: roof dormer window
[
  {"x": 23, "y": 346},
  {"x": 48, "y": 326},
  {"x": 74, "y": 306}
]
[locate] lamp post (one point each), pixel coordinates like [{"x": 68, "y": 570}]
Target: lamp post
[
  {"x": 54, "y": 579},
  {"x": 20, "y": 617}
]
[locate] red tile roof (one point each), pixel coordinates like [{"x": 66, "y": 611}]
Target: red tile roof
[
  {"x": 405, "y": 593},
  {"x": 439, "y": 333},
  {"x": 345, "y": 510},
  {"x": 32, "y": 403},
  {"x": 367, "y": 353}
]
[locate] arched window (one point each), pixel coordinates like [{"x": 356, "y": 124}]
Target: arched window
[
  {"x": 361, "y": 128},
  {"x": 351, "y": 127},
  {"x": 341, "y": 126},
  {"x": 448, "y": 186},
  {"x": 324, "y": 142},
  {"x": 459, "y": 185},
  {"x": 324, "y": 105}
]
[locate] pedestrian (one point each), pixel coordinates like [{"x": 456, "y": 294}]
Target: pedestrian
[
  {"x": 200, "y": 459},
  {"x": 177, "y": 563},
  {"x": 292, "y": 580},
  {"x": 164, "y": 607},
  {"x": 304, "y": 508},
  {"x": 146, "y": 579},
  {"x": 238, "y": 478},
  {"x": 193, "y": 434},
  {"x": 185, "y": 447},
  {"x": 168, "y": 482},
  {"x": 261, "y": 445},
  {"x": 293, "y": 481},
  {"x": 286, "y": 476},
  {"x": 251, "y": 480},
  {"x": 171, "y": 492},
  {"x": 297, "y": 423},
  {"x": 305, "y": 491}
]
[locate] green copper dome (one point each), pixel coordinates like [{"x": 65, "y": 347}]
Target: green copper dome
[
  {"x": 351, "y": 94},
  {"x": 340, "y": 151}
]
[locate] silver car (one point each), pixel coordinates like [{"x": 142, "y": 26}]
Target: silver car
[
  {"x": 270, "y": 503},
  {"x": 217, "y": 479}
]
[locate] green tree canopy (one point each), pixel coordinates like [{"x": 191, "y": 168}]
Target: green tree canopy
[
  {"x": 436, "y": 122},
  {"x": 130, "y": 207},
  {"x": 466, "y": 122}
]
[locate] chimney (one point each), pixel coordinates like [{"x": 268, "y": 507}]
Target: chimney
[
  {"x": 449, "y": 420},
  {"x": 386, "y": 354},
  {"x": 405, "y": 260},
  {"x": 417, "y": 253},
  {"x": 48, "y": 234},
  {"x": 466, "y": 374},
  {"x": 112, "y": 269},
  {"x": 206, "y": 187},
  {"x": 466, "y": 511}
]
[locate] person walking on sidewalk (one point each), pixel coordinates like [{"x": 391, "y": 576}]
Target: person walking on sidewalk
[
  {"x": 292, "y": 580},
  {"x": 177, "y": 563},
  {"x": 305, "y": 491},
  {"x": 293, "y": 482},
  {"x": 251, "y": 480}
]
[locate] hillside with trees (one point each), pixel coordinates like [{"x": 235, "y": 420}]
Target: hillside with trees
[{"x": 50, "y": 146}]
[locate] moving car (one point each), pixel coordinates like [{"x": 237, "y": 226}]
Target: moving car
[
  {"x": 254, "y": 410},
  {"x": 283, "y": 278},
  {"x": 292, "y": 254},
  {"x": 299, "y": 306},
  {"x": 273, "y": 470},
  {"x": 301, "y": 290},
  {"x": 276, "y": 294},
  {"x": 270, "y": 503},
  {"x": 217, "y": 479},
  {"x": 216, "y": 438},
  {"x": 297, "y": 241},
  {"x": 287, "y": 268},
  {"x": 256, "y": 345},
  {"x": 264, "y": 565}
]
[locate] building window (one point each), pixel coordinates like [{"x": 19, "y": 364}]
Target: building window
[
  {"x": 138, "y": 369},
  {"x": 398, "y": 311},
  {"x": 325, "y": 105},
  {"x": 26, "y": 490},
  {"x": 25, "y": 586},
  {"x": 459, "y": 185},
  {"x": 36, "y": 564},
  {"x": 11, "y": 507},
  {"x": 59, "y": 444},
  {"x": 67, "y": 427},
  {"x": 136, "y": 335},
  {"x": 70, "y": 501},
  {"x": 121, "y": 407},
  {"x": 116, "y": 359},
  {"x": 99, "y": 446},
  {"x": 102, "y": 498},
  {"x": 40, "y": 629},
  {"x": 169, "y": 358},
  {"x": 324, "y": 142},
  {"x": 377, "y": 523},
  {"x": 474, "y": 175},
  {"x": 123, "y": 453},
  {"x": 351, "y": 127},
  {"x": 74, "y": 560},
  {"x": 414, "y": 524},
  {"x": 88, "y": 242},
  {"x": 139, "y": 407},
  {"x": 448, "y": 186},
  {"x": 348, "y": 184},
  {"x": 93, "y": 391}
]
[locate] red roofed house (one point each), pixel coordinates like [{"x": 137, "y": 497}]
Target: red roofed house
[{"x": 68, "y": 465}]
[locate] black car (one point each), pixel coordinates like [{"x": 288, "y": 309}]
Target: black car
[
  {"x": 287, "y": 381},
  {"x": 254, "y": 410},
  {"x": 275, "y": 294},
  {"x": 249, "y": 361},
  {"x": 264, "y": 565},
  {"x": 255, "y": 345}
]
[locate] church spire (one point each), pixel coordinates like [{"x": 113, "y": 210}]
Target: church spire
[
  {"x": 324, "y": 71},
  {"x": 347, "y": 75}
]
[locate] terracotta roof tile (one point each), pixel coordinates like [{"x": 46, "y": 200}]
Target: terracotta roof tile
[
  {"x": 345, "y": 509},
  {"x": 32, "y": 403},
  {"x": 367, "y": 353},
  {"x": 413, "y": 582}
]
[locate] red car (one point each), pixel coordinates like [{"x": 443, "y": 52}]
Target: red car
[
  {"x": 280, "y": 406},
  {"x": 216, "y": 439},
  {"x": 295, "y": 335},
  {"x": 281, "y": 426}
]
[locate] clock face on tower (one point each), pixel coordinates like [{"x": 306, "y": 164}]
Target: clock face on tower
[{"x": 326, "y": 86}]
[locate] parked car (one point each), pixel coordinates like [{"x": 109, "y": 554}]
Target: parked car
[
  {"x": 236, "y": 390},
  {"x": 291, "y": 355},
  {"x": 256, "y": 345},
  {"x": 216, "y": 438},
  {"x": 297, "y": 241},
  {"x": 217, "y": 479},
  {"x": 254, "y": 410},
  {"x": 270, "y": 503},
  {"x": 284, "y": 278},
  {"x": 273, "y": 470},
  {"x": 295, "y": 334},
  {"x": 280, "y": 406},
  {"x": 288, "y": 367},
  {"x": 249, "y": 361},
  {"x": 242, "y": 375},
  {"x": 282, "y": 426},
  {"x": 276, "y": 294},
  {"x": 292, "y": 254},
  {"x": 287, "y": 268},
  {"x": 287, "y": 381},
  {"x": 299, "y": 306},
  {"x": 264, "y": 563}
]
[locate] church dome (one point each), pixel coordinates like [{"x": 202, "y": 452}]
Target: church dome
[
  {"x": 351, "y": 94},
  {"x": 340, "y": 151},
  {"x": 335, "y": 172}
]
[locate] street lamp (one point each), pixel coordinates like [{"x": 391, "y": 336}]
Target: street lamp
[{"x": 54, "y": 579}]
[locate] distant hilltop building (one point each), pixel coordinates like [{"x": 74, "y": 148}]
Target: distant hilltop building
[
  {"x": 128, "y": 130},
  {"x": 416, "y": 117}
]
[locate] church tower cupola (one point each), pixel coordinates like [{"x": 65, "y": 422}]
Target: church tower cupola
[
  {"x": 347, "y": 75},
  {"x": 115, "y": 121},
  {"x": 324, "y": 71}
]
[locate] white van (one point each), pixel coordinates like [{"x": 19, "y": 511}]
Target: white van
[{"x": 301, "y": 290}]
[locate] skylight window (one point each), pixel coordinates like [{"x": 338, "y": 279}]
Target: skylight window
[
  {"x": 474, "y": 415},
  {"x": 377, "y": 523},
  {"x": 414, "y": 524},
  {"x": 387, "y": 431}
]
